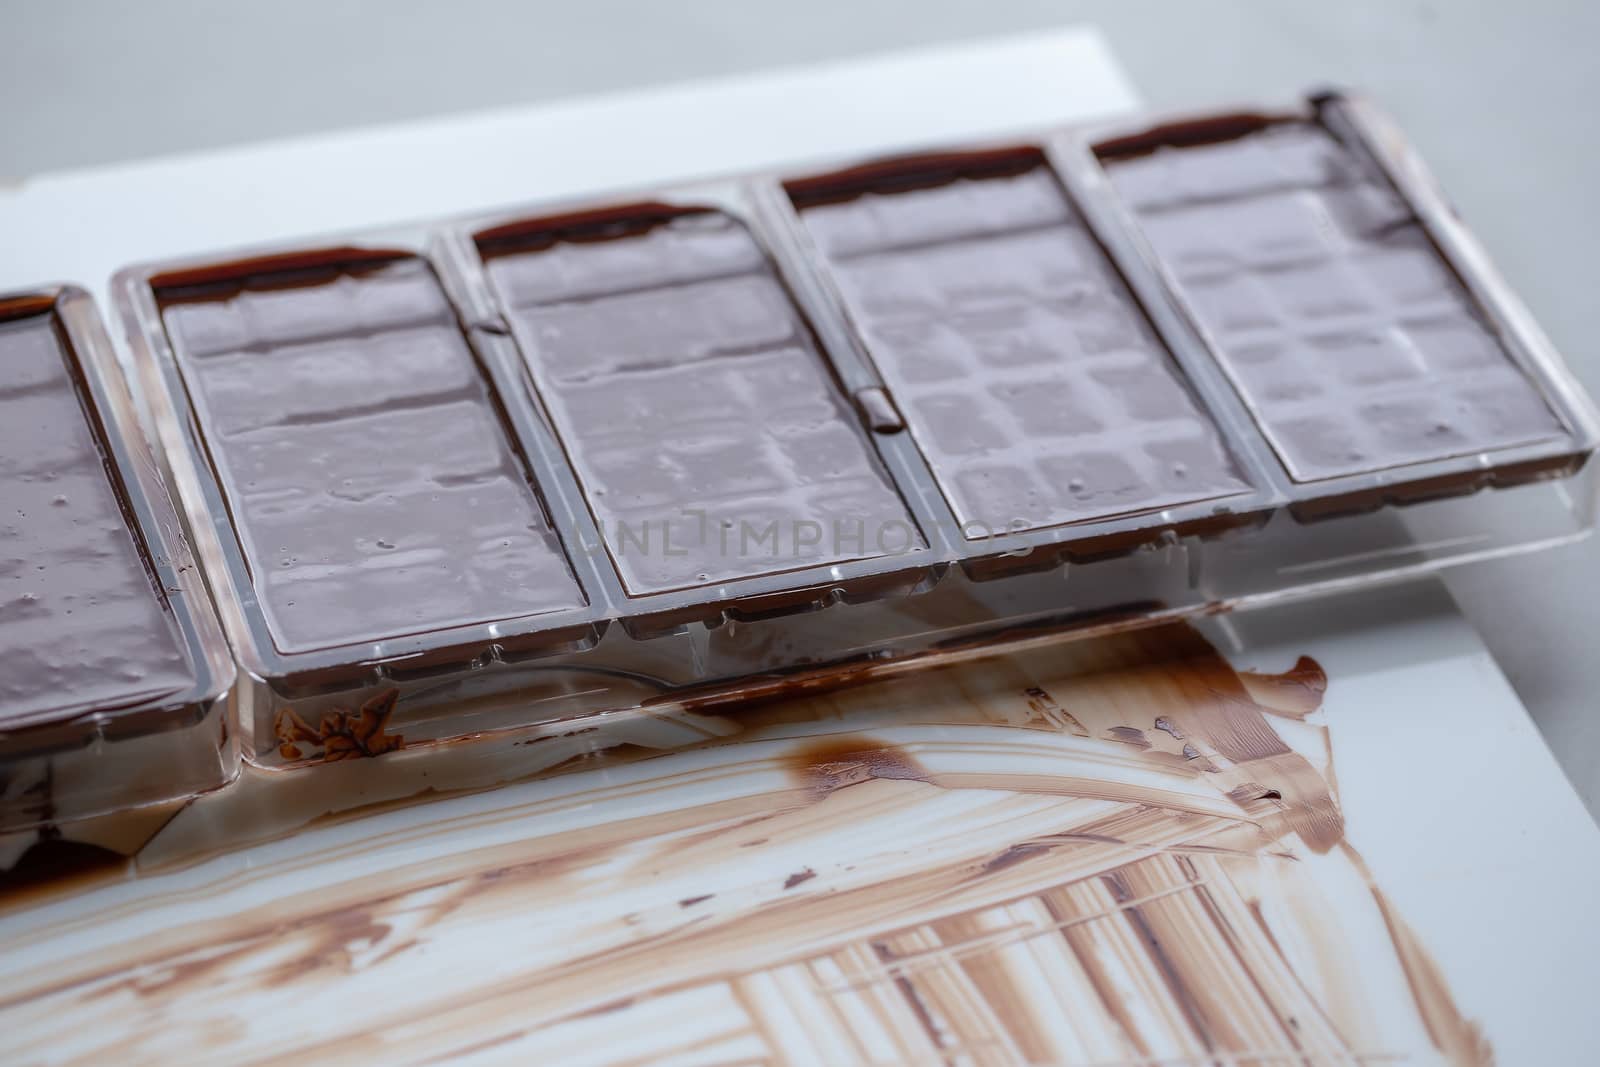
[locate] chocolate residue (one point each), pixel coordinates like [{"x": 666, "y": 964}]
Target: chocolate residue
[
  {"x": 1015, "y": 889},
  {"x": 1045, "y": 706},
  {"x": 1130, "y": 735},
  {"x": 1213, "y": 711},
  {"x": 341, "y": 734},
  {"x": 1013, "y": 855},
  {"x": 1294, "y": 694},
  {"x": 1246, "y": 794},
  {"x": 839, "y": 762},
  {"x": 1461, "y": 1039}
]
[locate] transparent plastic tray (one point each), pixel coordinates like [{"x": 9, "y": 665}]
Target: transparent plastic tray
[
  {"x": 565, "y": 309},
  {"x": 117, "y": 679}
]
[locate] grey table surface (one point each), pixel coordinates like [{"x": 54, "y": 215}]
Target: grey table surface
[{"x": 1497, "y": 96}]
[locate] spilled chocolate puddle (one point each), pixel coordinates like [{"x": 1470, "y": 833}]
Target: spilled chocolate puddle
[{"x": 1117, "y": 851}]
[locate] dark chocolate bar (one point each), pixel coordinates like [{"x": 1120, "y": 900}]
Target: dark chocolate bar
[
  {"x": 82, "y": 624},
  {"x": 370, "y": 475},
  {"x": 1026, "y": 372},
  {"x": 709, "y": 438},
  {"x": 1324, "y": 298}
]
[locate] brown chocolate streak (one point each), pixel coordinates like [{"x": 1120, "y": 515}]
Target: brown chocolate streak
[{"x": 1170, "y": 673}]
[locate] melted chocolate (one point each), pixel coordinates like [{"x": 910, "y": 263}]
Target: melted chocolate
[
  {"x": 693, "y": 403},
  {"x": 372, "y": 481},
  {"x": 1352, "y": 340},
  {"x": 1023, "y": 367},
  {"x": 82, "y": 626}
]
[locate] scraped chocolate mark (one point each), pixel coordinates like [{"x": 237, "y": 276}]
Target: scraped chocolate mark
[
  {"x": 1013, "y": 856},
  {"x": 1212, "y": 704},
  {"x": 1086, "y": 837},
  {"x": 1171, "y": 670},
  {"x": 335, "y": 939},
  {"x": 610, "y": 1006},
  {"x": 1294, "y": 694},
  {"x": 1171, "y": 973},
  {"x": 834, "y": 763},
  {"x": 1044, "y": 705},
  {"x": 1128, "y": 735},
  {"x": 1251, "y": 792}
]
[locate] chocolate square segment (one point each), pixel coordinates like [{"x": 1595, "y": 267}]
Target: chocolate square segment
[
  {"x": 371, "y": 478},
  {"x": 81, "y": 622},
  {"x": 711, "y": 441},
  {"x": 1025, "y": 370},
  {"x": 1350, "y": 337}
]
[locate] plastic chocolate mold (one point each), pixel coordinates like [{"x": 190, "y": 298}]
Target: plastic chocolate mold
[{"x": 683, "y": 447}]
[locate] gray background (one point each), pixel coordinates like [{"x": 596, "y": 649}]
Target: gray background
[{"x": 1497, "y": 96}]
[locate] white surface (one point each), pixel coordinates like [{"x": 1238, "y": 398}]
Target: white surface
[
  {"x": 1459, "y": 808},
  {"x": 1450, "y": 794}
]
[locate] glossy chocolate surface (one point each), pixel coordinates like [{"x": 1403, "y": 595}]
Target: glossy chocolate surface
[
  {"x": 82, "y": 626},
  {"x": 1349, "y": 336},
  {"x": 693, "y": 403},
  {"x": 1021, "y": 363},
  {"x": 372, "y": 481}
]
